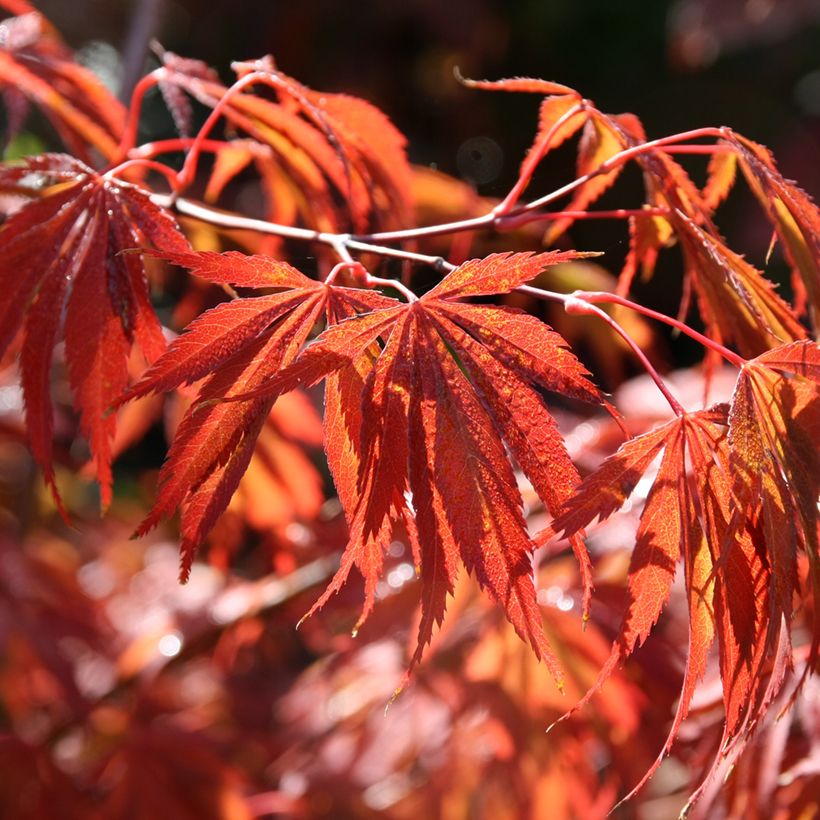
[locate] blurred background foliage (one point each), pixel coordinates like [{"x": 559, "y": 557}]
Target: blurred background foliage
[{"x": 123, "y": 695}]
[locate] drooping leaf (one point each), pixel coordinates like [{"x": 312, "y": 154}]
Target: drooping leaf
[
  {"x": 525, "y": 84},
  {"x": 758, "y": 319},
  {"x": 736, "y": 497},
  {"x": 721, "y": 174},
  {"x": 681, "y": 520},
  {"x": 795, "y": 216},
  {"x": 774, "y": 465},
  {"x": 337, "y": 160},
  {"x": 35, "y": 66},
  {"x": 64, "y": 250}
]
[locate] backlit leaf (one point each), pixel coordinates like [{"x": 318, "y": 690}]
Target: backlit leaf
[{"x": 63, "y": 250}]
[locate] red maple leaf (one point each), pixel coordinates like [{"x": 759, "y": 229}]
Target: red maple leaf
[
  {"x": 451, "y": 383},
  {"x": 734, "y": 498},
  {"x": 36, "y": 67},
  {"x": 238, "y": 346},
  {"x": 64, "y": 276}
]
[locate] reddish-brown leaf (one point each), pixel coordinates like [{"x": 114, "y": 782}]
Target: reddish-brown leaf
[
  {"x": 559, "y": 119},
  {"x": 686, "y": 516},
  {"x": 721, "y": 174},
  {"x": 64, "y": 249},
  {"x": 599, "y": 142},
  {"x": 483, "y": 506},
  {"x": 525, "y": 84},
  {"x": 342, "y": 162},
  {"x": 795, "y": 216},
  {"x": 774, "y": 468},
  {"x": 430, "y": 428},
  {"x": 497, "y": 273},
  {"x": 35, "y": 66},
  {"x": 758, "y": 318}
]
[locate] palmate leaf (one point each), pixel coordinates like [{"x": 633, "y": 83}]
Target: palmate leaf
[
  {"x": 64, "y": 276},
  {"x": 734, "y": 498},
  {"x": 335, "y": 159},
  {"x": 452, "y": 382},
  {"x": 414, "y": 424},
  {"x": 237, "y": 345}
]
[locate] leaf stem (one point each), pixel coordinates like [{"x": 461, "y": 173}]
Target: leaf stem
[
  {"x": 340, "y": 246},
  {"x": 592, "y": 297},
  {"x": 153, "y": 149},
  {"x": 623, "y": 156},
  {"x": 169, "y": 173},
  {"x": 516, "y": 220},
  {"x": 578, "y": 306},
  {"x": 697, "y": 149},
  {"x": 186, "y": 175},
  {"x": 533, "y": 159},
  {"x": 129, "y": 136}
]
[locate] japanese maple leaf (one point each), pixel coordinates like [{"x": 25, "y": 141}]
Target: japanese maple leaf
[
  {"x": 235, "y": 347},
  {"x": 685, "y": 518},
  {"x": 339, "y": 148},
  {"x": 452, "y": 383},
  {"x": 773, "y": 428},
  {"x": 758, "y": 319},
  {"x": 35, "y": 66},
  {"x": 794, "y": 215},
  {"x": 738, "y": 519},
  {"x": 64, "y": 276}
]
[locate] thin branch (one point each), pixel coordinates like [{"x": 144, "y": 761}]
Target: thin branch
[
  {"x": 574, "y": 305},
  {"x": 494, "y": 220},
  {"x": 232, "y": 221}
]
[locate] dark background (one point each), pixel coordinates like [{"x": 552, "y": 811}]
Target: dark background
[
  {"x": 750, "y": 64},
  {"x": 753, "y": 65}
]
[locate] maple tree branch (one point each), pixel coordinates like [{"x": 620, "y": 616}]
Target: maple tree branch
[
  {"x": 519, "y": 215},
  {"x": 224, "y": 219},
  {"x": 592, "y": 297}
]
